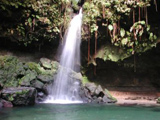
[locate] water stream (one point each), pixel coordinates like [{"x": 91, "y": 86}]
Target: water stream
[{"x": 64, "y": 90}]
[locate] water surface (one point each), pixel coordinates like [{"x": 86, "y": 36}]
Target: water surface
[{"x": 80, "y": 112}]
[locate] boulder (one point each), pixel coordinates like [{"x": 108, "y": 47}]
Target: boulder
[
  {"x": 98, "y": 90},
  {"x": 55, "y": 65},
  {"x": 106, "y": 99},
  {"x": 25, "y": 81},
  {"x": 6, "y": 104},
  {"x": 20, "y": 96},
  {"x": 46, "y": 63},
  {"x": 91, "y": 87},
  {"x": 37, "y": 84},
  {"x": 96, "y": 94},
  {"x": 76, "y": 76},
  {"x": 45, "y": 78},
  {"x": 40, "y": 97}
]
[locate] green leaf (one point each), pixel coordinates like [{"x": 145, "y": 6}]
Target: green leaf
[
  {"x": 124, "y": 41},
  {"x": 150, "y": 36},
  {"x": 108, "y": 4},
  {"x": 29, "y": 20},
  {"x": 122, "y": 32},
  {"x": 37, "y": 16},
  {"x": 148, "y": 27},
  {"x": 140, "y": 33},
  {"x": 143, "y": 22},
  {"x": 110, "y": 27},
  {"x": 155, "y": 37}
]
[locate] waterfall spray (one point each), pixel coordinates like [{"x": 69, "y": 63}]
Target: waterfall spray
[{"x": 64, "y": 90}]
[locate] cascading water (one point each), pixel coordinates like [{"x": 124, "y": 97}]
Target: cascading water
[{"x": 64, "y": 90}]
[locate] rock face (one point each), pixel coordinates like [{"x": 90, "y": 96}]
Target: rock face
[{"x": 20, "y": 96}]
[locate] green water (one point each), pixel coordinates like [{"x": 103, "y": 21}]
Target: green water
[{"x": 80, "y": 112}]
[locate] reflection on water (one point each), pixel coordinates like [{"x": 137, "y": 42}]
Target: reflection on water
[{"x": 80, "y": 112}]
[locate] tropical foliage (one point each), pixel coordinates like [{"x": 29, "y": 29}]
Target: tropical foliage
[
  {"x": 125, "y": 21},
  {"x": 122, "y": 22}
]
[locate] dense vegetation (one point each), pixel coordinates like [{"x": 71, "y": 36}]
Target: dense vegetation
[{"x": 124, "y": 23}]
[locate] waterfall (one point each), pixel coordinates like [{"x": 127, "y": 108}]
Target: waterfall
[{"x": 64, "y": 90}]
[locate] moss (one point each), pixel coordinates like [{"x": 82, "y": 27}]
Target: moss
[
  {"x": 32, "y": 65},
  {"x": 25, "y": 81},
  {"x": 85, "y": 80},
  {"x": 14, "y": 73},
  {"x": 11, "y": 98},
  {"x": 41, "y": 70},
  {"x": 8, "y": 97},
  {"x": 110, "y": 96},
  {"x": 23, "y": 92}
]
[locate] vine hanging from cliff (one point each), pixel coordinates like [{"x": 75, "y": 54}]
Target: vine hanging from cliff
[{"x": 115, "y": 16}]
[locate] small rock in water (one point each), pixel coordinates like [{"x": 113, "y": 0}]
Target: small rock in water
[{"x": 7, "y": 104}]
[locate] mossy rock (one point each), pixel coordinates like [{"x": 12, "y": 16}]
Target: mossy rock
[
  {"x": 46, "y": 63},
  {"x": 85, "y": 80},
  {"x": 32, "y": 65},
  {"x": 37, "y": 84},
  {"x": 11, "y": 83},
  {"x": 113, "y": 99},
  {"x": 45, "y": 78},
  {"x": 158, "y": 100},
  {"x": 41, "y": 70},
  {"x": 20, "y": 96},
  {"x": 55, "y": 65},
  {"x": 25, "y": 81}
]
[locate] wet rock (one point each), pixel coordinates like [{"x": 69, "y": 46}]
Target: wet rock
[
  {"x": 40, "y": 97},
  {"x": 45, "y": 78},
  {"x": 20, "y": 96},
  {"x": 55, "y": 65},
  {"x": 98, "y": 90},
  {"x": 96, "y": 94},
  {"x": 76, "y": 76},
  {"x": 46, "y": 63},
  {"x": 106, "y": 99},
  {"x": 43, "y": 71},
  {"x": 37, "y": 84},
  {"x": 7, "y": 104},
  {"x": 112, "y": 99},
  {"x": 87, "y": 93},
  {"x": 25, "y": 81},
  {"x": 91, "y": 87}
]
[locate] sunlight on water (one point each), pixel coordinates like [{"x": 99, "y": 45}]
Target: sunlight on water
[{"x": 62, "y": 101}]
